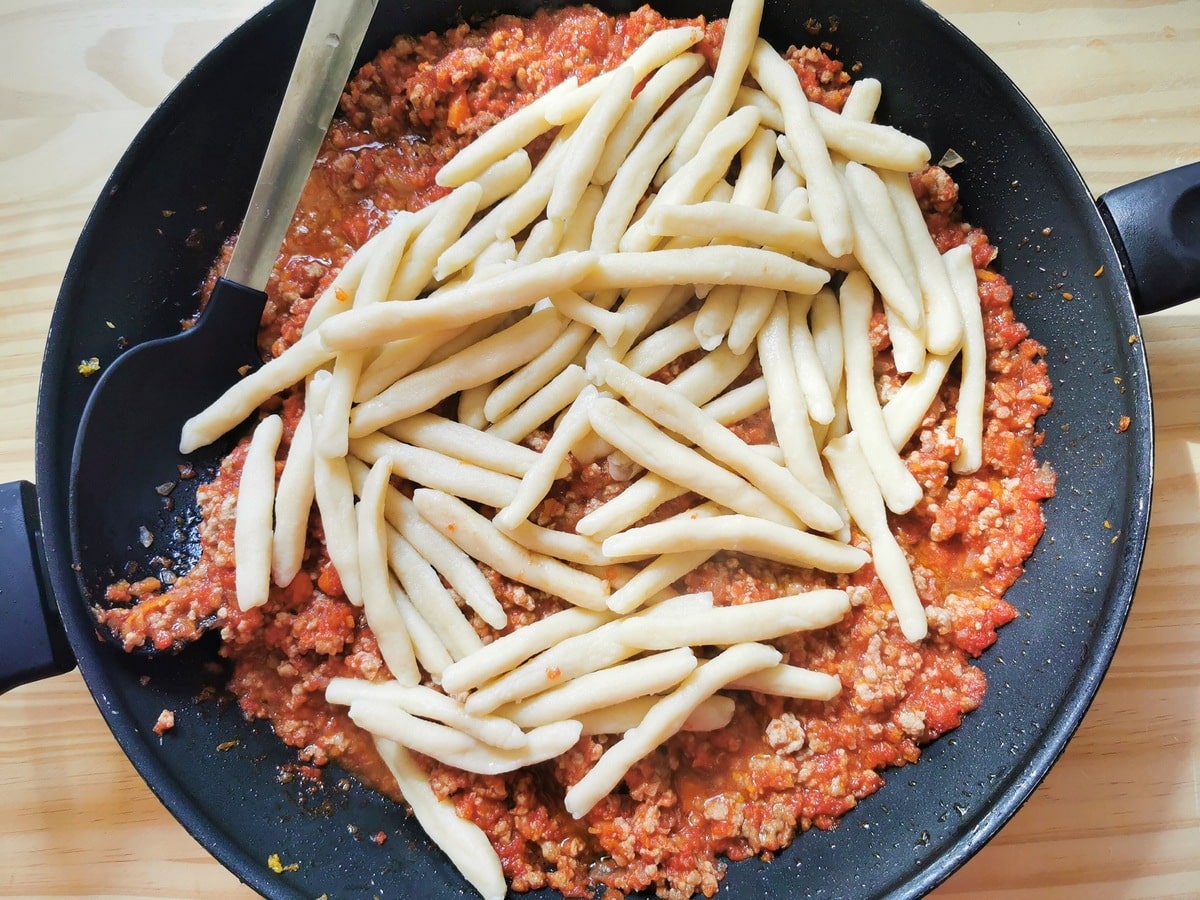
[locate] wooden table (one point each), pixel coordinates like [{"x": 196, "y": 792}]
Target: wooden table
[{"x": 1120, "y": 814}]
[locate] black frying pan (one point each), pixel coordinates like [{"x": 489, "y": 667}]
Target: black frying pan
[{"x": 930, "y": 817}]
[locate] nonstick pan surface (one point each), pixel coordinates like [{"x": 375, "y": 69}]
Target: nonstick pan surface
[{"x": 930, "y": 816}]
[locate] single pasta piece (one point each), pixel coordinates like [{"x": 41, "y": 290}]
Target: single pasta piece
[
  {"x": 464, "y": 842},
  {"x": 252, "y": 533},
  {"x": 718, "y": 626},
  {"x": 758, "y": 537},
  {"x": 865, "y": 503},
  {"x": 968, "y": 427},
  {"x": 395, "y": 645}
]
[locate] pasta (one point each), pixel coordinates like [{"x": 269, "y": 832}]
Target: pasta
[
  {"x": 604, "y": 439},
  {"x": 256, "y": 495}
]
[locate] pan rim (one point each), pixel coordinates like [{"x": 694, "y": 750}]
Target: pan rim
[{"x": 53, "y": 503}]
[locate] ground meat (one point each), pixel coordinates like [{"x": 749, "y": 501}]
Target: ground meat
[{"x": 781, "y": 766}]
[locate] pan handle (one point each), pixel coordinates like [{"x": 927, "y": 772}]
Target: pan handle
[
  {"x": 1155, "y": 224},
  {"x": 33, "y": 644}
]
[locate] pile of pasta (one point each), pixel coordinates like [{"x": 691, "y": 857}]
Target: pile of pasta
[{"x": 551, "y": 293}]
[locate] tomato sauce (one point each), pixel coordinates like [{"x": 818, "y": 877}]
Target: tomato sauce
[{"x": 781, "y": 766}]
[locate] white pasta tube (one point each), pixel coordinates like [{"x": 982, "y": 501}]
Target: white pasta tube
[
  {"x": 634, "y": 175},
  {"x": 542, "y": 406},
  {"x": 543, "y": 240},
  {"x": 861, "y": 494},
  {"x": 490, "y": 358},
  {"x": 252, "y": 531},
  {"x": 577, "y": 230},
  {"x": 741, "y": 32},
  {"x": 863, "y": 100},
  {"x": 464, "y": 842},
  {"x": 665, "y": 718},
  {"x": 825, "y": 324},
  {"x": 943, "y": 321},
  {"x": 507, "y": 652},
  {"x": 536, "y": 483},
  {"x": 454, "y": 439},
  {"x": 480, "y": 539},
  {"x": 607, "y": 687},
  {"x": 395, "y": 645},
  {"x": 711, "y": 374},
  {"x": 663, "y": 346},
  {"x": 755, "y": 165},
  {"x": 507, "y": 136},
  {"x": 587, "y": 144},
  {"x": 715, "y": 264},
  {"x": 899, "y": 487},
  {"x": 741, "y": 403},
  {"x": 753, "y": 309},
  {"x": 431, "y": 653},
  {"x": 654, "y": 577},
  {"x": 576, "y": 548},
  {"x": 457, "y": 748},
  {"x": 458, "y": 306},
  {"x": 714, "y": 713},
  {"x": 968, "y": 427},
  {"x": 716, "y": 315},
  {"x": 790, "y": 681},
  {"x": 908, "y": 407},
  {"x": 642, "y": 441},
  {"x": 738, "y": 533},
  {"x": 661, "y": 86},
  {"x": 831, "y": 211},
  {"x": 721, "y": 222},
  {"x": 232, "y": 407},
  {"x": 761, "y": 620},
  {"x": 557, "y": 665},
  {"x": 809, "y": 373},
  {"x": 784, "y": 183},
  {"x": 443, "y": 554},
  {"x": 431, "y": 599},
  {"x": 335, "y": 500},
  {"x": 636, "y": 502},
  {"x": 789, "y": 410},
  {"x": 293, "y": 503},
  {"x": 608, "y": 325},
  {"x": 436, "y": 470},
  {"x": 501, "y": 178},
  {"x": 673, "y": 412},
  {"x": 879, "y": 146},
  {"x": 425, "y": 702}
]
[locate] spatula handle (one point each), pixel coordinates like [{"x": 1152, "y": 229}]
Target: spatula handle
[{"x": 327, "y": 52}]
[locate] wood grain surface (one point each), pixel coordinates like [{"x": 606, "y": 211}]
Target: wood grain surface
[{"x": 1119, "y": 816}]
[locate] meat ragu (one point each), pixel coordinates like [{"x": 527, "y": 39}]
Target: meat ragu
[{"x": 781, "y": 765}]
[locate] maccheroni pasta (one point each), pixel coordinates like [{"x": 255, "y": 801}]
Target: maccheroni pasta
[{"x": 650, "y": 428}]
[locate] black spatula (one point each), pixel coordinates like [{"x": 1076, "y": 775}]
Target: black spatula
[{"x": 132, "y": 514}]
